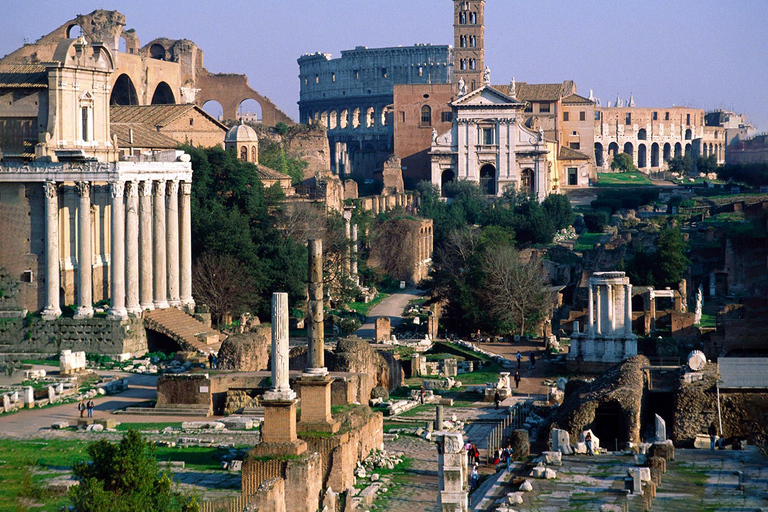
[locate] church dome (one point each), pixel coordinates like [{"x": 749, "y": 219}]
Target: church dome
[{"x": 241, "y": 133}]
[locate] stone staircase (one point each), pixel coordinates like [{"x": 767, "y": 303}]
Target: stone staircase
[{"x": 189, "y": 333}]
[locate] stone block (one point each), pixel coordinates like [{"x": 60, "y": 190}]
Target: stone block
[
  {"x": 94, "y": 428},
  {"x": 60, "y": 425},
  {"x": 595, "y": 440},
  {"x": 552, "y": 458},
  {"x": 550, "y": 474},
  {"x": 526, "y": 486},
  {"x": 580, "y": 448},
  {"x": 538, "y": 472},
  {"x": 701, "y": 441},
  {"x": 202, "y": 425},
  {"x": 515, "y": 498},
  {"x": 107, "y": 422},
  {"x": 645, "y": 473}
]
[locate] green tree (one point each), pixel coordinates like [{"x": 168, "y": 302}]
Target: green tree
[
  {"x": 682, "y": 165},
  {"x": 663, "y": 266},
  {"x": 622, "y": 162},
  {"x": 125, "y": 477},
  {"x": 274, "y": 156}
]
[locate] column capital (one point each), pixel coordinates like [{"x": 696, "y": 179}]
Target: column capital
[
  {"x": 51, "y": 189},
  {"x": 117, "y": 189},
  {"x": 83, "y": 188},
  {"x": 145, "y": 188},
  {"x": 131, "y": 189},
  {"x": 172, "y": 187},
  {"x": 158, "y": 188},
  {"x": 186, "y": 188}
]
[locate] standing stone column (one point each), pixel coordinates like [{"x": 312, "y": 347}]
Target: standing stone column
[
  {"x": 591, "y": 300},
  {"x": 132, "y": 251},
  {"x": 172, "y": 237},
  {"x": 145, "y": 246},
  {"x": 281, "y": 388},
  {"x": 452, "y": 472},
  {"x": 628, "y": 308},
  {"x": 315, "y": 328},
  {"x": 186, "y": 248},
  {"x": 611, "y": 312},
  {"x": 599, "y": 311},
  {"x": 355, "y": 277},
  {"x": 315, "y": 382},
  {"x": 84, "y": 252},
  {"x": 348, "y": 251},
  {"x": 278, "y": 432},
  {"x": 52, "y": 277},
  {"x": 117, "y": 309},
  {"x": 158, "y": 247}
]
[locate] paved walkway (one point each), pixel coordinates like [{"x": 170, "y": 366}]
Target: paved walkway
[
  {"x": 36, "y": 423},
  {"x": 532, "y": 379},
  {"x": 392, "y": 306}
]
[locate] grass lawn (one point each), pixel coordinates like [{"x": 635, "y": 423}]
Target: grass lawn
[
  {"x": 25, "y": 465},
  {"x": 622, "y": 179},
  {"x": 363, "y": 308},
  {"x": 489, "y": 373},
  {"x": 141, "y": 427},
  {"x": 587, "y": 241}
]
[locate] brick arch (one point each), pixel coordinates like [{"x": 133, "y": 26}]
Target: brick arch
[{"x": 230, "y": 91}]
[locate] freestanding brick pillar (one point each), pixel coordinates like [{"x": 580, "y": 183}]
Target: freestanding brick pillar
[
  {"x": 278, "y": 433},
  {"x": 452, "y": 472},
  {"x": 315, "y": 382}
]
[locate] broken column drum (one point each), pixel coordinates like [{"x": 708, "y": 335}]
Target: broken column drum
[
  {"x": 608, "y": 337},
  {"x": 315, "y": 334}
]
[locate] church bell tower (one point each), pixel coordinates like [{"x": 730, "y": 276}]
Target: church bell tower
[{"x": 469, "y": 42}]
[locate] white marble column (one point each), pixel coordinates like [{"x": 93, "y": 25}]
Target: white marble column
[
  {"x": 145, "y": 245},
  {"x": 132, "y": 251},
  {"x": 281, "y": 388},
  {"x": 628, "y": 307},
  {"x": 53, "y": 276},
  {"x": 355, "y": 278},
  {"x": 611, "y": 312},
  {"x": 599, "y": 311},
  {"x": 186, "y": 248},
  {"x": 84, "y": 252},
  {"x": 158, "y": 247},
  {"x": 172, "y": 239},
  {"x": 117, "y": 257},
  {"x": 591, "y": 300}
]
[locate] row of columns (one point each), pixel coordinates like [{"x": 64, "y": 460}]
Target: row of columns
[
  {"x": 595, "y": 314},
  {"x": 151, "y": 247}
]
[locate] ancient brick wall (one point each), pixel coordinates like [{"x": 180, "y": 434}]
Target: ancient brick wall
[{"x": 184, "y": 389}]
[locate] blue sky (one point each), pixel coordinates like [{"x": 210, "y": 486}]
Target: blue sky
[{"x": 706, "y": 54}]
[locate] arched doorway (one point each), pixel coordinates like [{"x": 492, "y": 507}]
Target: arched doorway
[
  {"x": 642, "y": 134},
  {"x": 527, "y": 182},
  {"x": 214, "y": 109},
  {"x": 610, "y": 426},
  {"x": 613, "y": 148},
  {"x": 655, "y": 155},
  {"x": 157, "y": 51},
  {"x": 250, "y": 110},
  {"x": 163, "y": 95},
  {"x": 598, "y": 154},
  {"x": 687, "y": 150},
  {"x": 447, "y": 177},
  {"x": 630, "y": 150},
  {"x": 667, "y": 152},
  {"x": 678, "y": 150},
  {"x": 642, "y": 160},
  {"x": 123, "y": 92},
  {"x": 488, "y": 179}
]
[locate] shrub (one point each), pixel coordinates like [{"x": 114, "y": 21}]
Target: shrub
[{"x": 596, "y": 221}]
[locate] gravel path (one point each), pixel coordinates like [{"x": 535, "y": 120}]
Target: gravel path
[{"x": 392, "y": 307}]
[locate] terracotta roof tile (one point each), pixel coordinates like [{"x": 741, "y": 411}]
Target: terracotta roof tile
[
  {"x": 155, "y": 115},
  {"x": 575, "y": 99},
  {"x": 144, "y": 136},
  {"x": 534, "y": 92},
  {"x": 23, "y": 76},
  {"x": 567, "y": 153}
]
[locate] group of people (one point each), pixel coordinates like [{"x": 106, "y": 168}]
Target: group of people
[
  {"x": 531, "y": 360},
  {"x": 83, "y": 407},
  {"x": 503, "y": 455}
]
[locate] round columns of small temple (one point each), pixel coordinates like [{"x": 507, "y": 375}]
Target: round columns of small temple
[
  {"x": 52, "y": 277},
  {"x": 84, "y": 260},
  {"x": 186, "y": 247},
  {"x": 628, "y": 307},
  {"x": 117, "y": 309},
  {"x": 315, "y": 334},
  {"x": 132, "y": 251},
  {"x": 145, "y": 245},
  {"x": 159, "y": 246},
  {"x": 172, "y": 238},
  {"x": 591, "y": 300}
]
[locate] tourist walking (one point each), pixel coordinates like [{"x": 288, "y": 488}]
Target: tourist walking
[
  {"x": 81, "y": 408},
  {"x": 712, "y": 435},
  {"x": 474, "y": 478},
  {"x": 89, "y": 407},
  {"x": 519, "y": 360},
  {"x": 517, "y": 380},
  {"x": 496, "y": 399},
  {"x": 422, "y": 394},
  {"x": 531, "y": 360}
]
